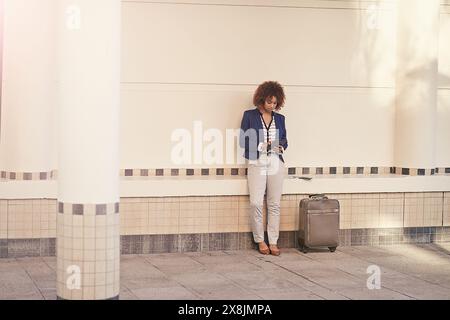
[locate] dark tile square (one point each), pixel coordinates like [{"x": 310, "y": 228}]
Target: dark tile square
[
  {"x": 333, "y": 170},
  {"x": 360, "y": 170},
  {"x": 296, "y": 235},
  {"x": 45, "y": 247},
  {"x": 174, "y": 172},
  {"x": 12, "y": 176},
  {"x": 287, "y": 239},
  {"x": 189, "y": 172},
  {"x": 77, "y": 209},
  {"x": 220, "y": 172},
  {"x": 357, "y": 232},
  {"x": 204, "y": 242},
  {"x": 3, "y": 248},
  {"x": 424, "y": 238},
  {"x": 346, "y": 170},
  {"x": 125, "y": 245},
  {"x": 231, "y": 241},
  {"x": 392, "y": 170},
  {"x": 144, "y": 172},
  {"x": 60, "y": 207},
  {"x": 136, "y": 246},
  {"x": 291, "y": 171},
  {"x": 374, "y": 240},
  {"x": 205, "y": 172},
  {"x": 159, "y": 172},
  {"x": 100, "y": 209},
  {"x": 319, "y": 170},
  {"x": 405, "y": 171},
  {"x": 435, "y": 238},
  {"x": 246, "y": 241},
  {"x": 3, "y": 252},
  {"x": 374, "y": 170},
  {"x": 420, "y": 172},
  {"x": 216, "y": 241},
  {"x": 305, "y": 170},
  {"x": 234, "y": 172},
  {"x": 190, "y": 242},
  {"x": 19, "y": 248},
  {"x": 43, "y": 175},
  {"x": 159, "y": 243},
  {"x": 447, "y": 170},
  {"x": 128, "y": 172},
  {"x": 365, "y": 240},
  {"x": 445, "y": 236},
  {"x": 397, "y": 239},
  {"x": 355, "y": 241},
  {"x": 384, "y": 240},
  {"x": 52, "y": 247},
  {"x": 27, "y": 176}
]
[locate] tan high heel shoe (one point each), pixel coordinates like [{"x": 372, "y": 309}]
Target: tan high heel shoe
[
  {"x": 274, "y": 250},
  {"x": 263, "y": 248}
]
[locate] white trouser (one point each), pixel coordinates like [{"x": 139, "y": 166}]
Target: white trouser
[{"x": 267, "y": 172}]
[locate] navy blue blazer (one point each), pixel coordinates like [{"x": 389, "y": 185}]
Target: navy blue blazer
[{"x": 252, "y": 120}]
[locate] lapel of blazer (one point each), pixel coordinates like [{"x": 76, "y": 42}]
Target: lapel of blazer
[{"x": 257, "y": 119}]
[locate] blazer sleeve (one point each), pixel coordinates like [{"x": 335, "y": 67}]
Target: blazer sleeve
[
  {"x": 283, "y": 138},
  {"x": 245, "y": 125}
]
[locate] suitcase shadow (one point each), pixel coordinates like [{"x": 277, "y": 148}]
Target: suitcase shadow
[{"x": 314, "y": 250}]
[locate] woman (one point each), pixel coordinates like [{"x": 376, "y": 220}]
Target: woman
[{"x": 264, "y": 138}]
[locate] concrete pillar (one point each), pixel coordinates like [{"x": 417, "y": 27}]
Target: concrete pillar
[
  {"x": 416, "y": 83},
  {"x": 88, "y": 239}
]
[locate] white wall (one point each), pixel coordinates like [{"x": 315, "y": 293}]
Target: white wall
[
  {"x": 443, "y": 119},
  {"x": 28, "y": 130},
  {"x": 208, "y": 61}
]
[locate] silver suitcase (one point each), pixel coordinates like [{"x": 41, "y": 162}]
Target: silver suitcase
[{"x": 318, "y": 223}]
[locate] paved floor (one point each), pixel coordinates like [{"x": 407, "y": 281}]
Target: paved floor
[{"x": 407, "y": 272}]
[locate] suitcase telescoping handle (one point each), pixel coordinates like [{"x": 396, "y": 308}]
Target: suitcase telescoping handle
[{"x": 318, "y": 196}]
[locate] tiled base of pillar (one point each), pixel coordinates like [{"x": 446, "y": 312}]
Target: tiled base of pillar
[
  {"x": 113, "y": 298},
  {"x": 166, "y": 243}
]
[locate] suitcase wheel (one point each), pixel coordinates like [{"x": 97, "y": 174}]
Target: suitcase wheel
[{"x": 332, "y": 249}]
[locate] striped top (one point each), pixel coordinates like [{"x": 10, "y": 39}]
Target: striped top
[
  {"x": 272, "y": 133},
  {"x": 272, "y": 130}
]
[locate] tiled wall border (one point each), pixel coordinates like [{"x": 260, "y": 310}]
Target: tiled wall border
[
  {"x": 291, "y": 171},
  {"x": 149, "y": 244},
  {"x": 88, "y": 209},
  {"x": 241, "y": 171},
  {"x": 27, "y": 176},
  {"x": 393, "y": 236},
  {"x": 171, "y": 243}
]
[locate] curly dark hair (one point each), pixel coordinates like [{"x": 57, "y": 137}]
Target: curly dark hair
[{"x": 269, "y": 89}]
